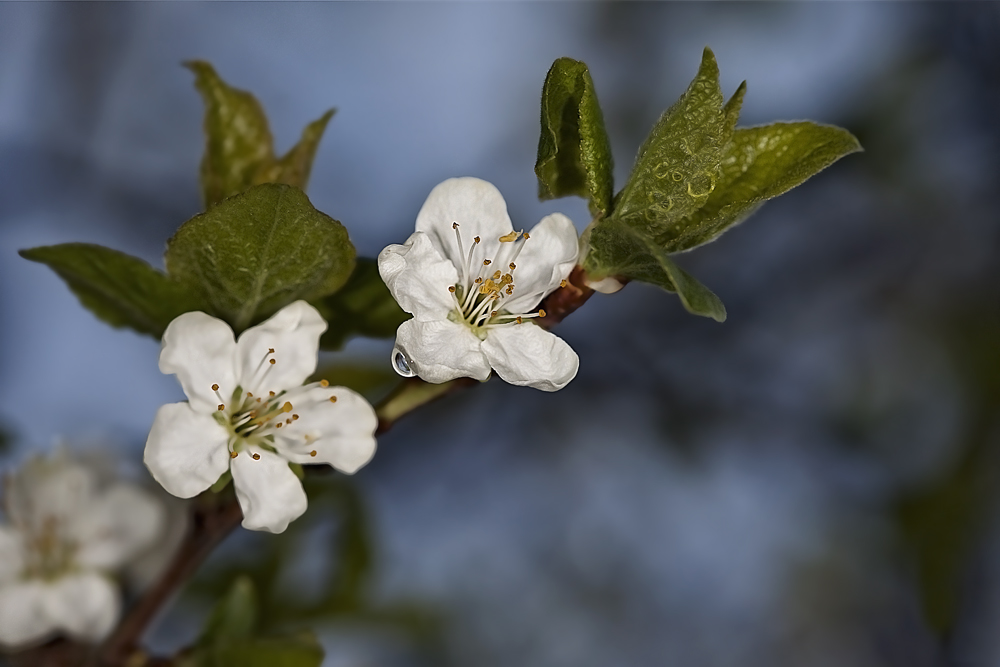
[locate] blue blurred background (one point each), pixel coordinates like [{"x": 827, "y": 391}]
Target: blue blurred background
[{"x": 812, "y": 483}]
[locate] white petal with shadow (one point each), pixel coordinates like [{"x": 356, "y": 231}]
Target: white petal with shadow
[
  {"x": 200, "y": 350},
  {"x": 186, "y": 450},
  {"x": 269, "y": 493},
  {"x": 529, "y": 356}
]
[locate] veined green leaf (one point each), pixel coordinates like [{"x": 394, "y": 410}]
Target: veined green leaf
[
  {"x": 574, "y": 154},
  {"x": 122, "y": 290},
  {"x": 678, "y": 166},
  {"x": 258, "y": 251},
  {"x": 296, "y": 165},
  {"x": 759, "y": 163}
]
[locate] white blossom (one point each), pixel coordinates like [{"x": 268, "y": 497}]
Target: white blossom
[
  {"x": 473, "y": 285},
  {"x": 248, "y": 413},
  {"x": 67, "y": 532}
]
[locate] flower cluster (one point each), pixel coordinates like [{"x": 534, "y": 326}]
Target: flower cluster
[
  {"x": 473, "y": 284},
  {"x": 249, "y": 413},
  {"x": 67, "y": 532}
]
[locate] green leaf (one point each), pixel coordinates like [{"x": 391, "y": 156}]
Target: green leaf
[
  {"x": 619, "y": 250},
  {"x": 122, "y": 290},
  {"x": 294, "y": 168},
  {"x": 303, "y": 651},
  {"x": 237, "y": 137},
  {"x": 258, "y": 251},
  {"x": 362, "y": 307},
  {"x": 234, "y": 616},
  {"x": 239, "y": 148},
  {"x": 678, "y": 166},
  {"x": 574, "y": 154},
  {"x": 759, "y": 163}
]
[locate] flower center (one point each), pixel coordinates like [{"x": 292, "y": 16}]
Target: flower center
[
  {"x": 49, "y": 553},
  {"x": 253, "y": 421},
  {"x": 484, "y": 289}
]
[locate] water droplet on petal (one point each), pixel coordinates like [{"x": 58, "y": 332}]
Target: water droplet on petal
[{"x": 401, "y": 365}]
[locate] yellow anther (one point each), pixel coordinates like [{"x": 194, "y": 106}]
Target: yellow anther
[
  {"x": 233, "y": 455},
  {"x": 221, "y": 407},
  {"x": 313, "y": 453},
  {"x": 278, "y": 425},
  {"x": 288, "y": 421},
  {"x": 256, "y": 457},
  {"x": 518, "y": 320},
  {"x": 476, "y": 239},
  {"x": 287, "y": 407},
  {"x": 249, "y": 395},
  {"x": 333, "y": 399},
  {"x": 258, "y": 400},
  {"x": 272, "y": 362},
  {"x": 563, "y": 282},
  {"x": 215, "y": 387},
  {"x": 487, "y": 262},
  {"x": 507, "y": 238},
  {"x": 493, "y": 313},
  {"x": 541, "y": 313},
  {"x": 507, "y": 279},
  {"x": 451, "y": 288},
  {"x": 497, "y": 274},
  {"x": 270, "y": 350},
  {"x": 512, "y": 266},
  {"x": 295, "y": 417},
  {"x": 527, "y": 236},
  {"x": 478, "y": 280},
  {"x": 270, "y": 393},
  {"x": 324, "y": 383},
  {"x": 509, "y": 290},
  {"x": 454, "y": 225}
]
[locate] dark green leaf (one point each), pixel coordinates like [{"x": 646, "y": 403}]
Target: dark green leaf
[
  {"x": 759, "y": 163},
  {"x": 295, "y": 166},
  {"x": 304, "y": 651},
  {"x": 122, "y": 290},
  {"x": 239, "y": 148},
  {"x": 362, "y": 307},
  {"x": 574, "y": 154},
  {"x": 237, "y": 138},
  {"x": 619, "y": 250},
  {"x": 678, "y": 165},
  {"x": 234, "y": 616},
  {"x": 258, "y": 251}
]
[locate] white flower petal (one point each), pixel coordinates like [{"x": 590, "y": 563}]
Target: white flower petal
[
  {"x": 529, "y": 356},
  {"x": 11, "y": 554},
  {"x": 342, "y": 433},
  {"x": 85, "y": 606},
  {"x": 418, "y": 277},
  {"x": 548, "y": 257},
  {"x": 186, "y": 450},
  {"x": 479, "y": 209},
  {"x": 200, "y": 350},
  {"x": 49, "y": 489},
  {"x": 270, "y": 494},
  {"x": 441, "y": 351},
  {"x": 293, "y": 333},
  {"x": 23, "y": 620},
  {"x": 119, "y": 524}
]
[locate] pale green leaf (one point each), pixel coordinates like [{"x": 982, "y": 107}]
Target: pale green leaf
[
  {"x": 678, "y": 165},
  {"x": 759, "y": 163}
]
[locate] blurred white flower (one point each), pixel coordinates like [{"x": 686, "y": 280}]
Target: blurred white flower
[
  {"x": 471, "y": 283},
  {"x": 66, "y": 533},
  {"x": 248, "y": 412}
]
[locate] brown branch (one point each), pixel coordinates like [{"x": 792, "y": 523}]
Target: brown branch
[{"x": 214, "y": 516}]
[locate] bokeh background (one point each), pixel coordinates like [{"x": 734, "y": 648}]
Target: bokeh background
[{"x": 812, "y": 483}]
